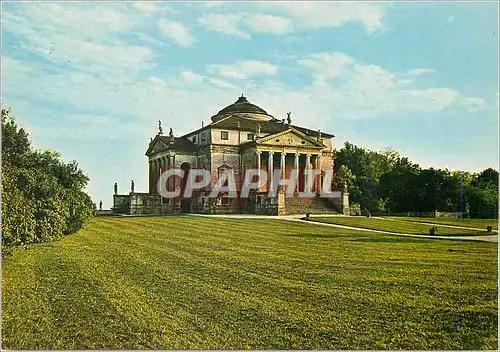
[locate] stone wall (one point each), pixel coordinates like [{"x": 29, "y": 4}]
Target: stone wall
[{"x": 121, "y": 204}]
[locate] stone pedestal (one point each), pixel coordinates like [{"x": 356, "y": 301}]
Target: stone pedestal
[
  {"x": 281, "y": 201},
  {"x": 345, "y": 204}
]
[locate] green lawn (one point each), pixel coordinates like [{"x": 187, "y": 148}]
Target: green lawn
[
  {"x": 393, "y": 225},
  {"x": 473, "y": 223},
  {"x": 218, "y": 283}
]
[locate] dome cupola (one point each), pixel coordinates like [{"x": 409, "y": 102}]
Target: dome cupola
[{"x": 243, "y": 108}]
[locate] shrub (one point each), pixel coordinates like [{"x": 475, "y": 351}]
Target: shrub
[
  {"x": 355, "y": 209},
  {"x": 43, "y": 198}
]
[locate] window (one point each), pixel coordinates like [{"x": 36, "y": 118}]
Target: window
[
  {"x": 250, "y": 136},
  {"x": 224, "y": 135},
  {"x": 224, "y": 200},
  {"x": 194, "y": 139},
  {"x": 203, "y": 137}
]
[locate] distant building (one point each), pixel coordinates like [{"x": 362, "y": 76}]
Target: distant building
[{"x": 241, "y": 136}]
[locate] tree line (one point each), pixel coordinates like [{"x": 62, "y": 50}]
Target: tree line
[
  {"x": 387, "y": 183},
  {"x": 43, "y": 198}
]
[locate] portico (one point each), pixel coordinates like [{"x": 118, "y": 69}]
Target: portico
[{"x": 290, "y": 163}]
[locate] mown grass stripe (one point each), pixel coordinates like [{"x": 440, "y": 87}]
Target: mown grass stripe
[{"x": 179, "y": 285}]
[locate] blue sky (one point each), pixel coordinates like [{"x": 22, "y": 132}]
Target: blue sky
[{"x": 90, "y": 80}]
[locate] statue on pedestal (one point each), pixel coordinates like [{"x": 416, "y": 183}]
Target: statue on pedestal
[
  {"x": 116, "y": 187},
  {"x": 132, "y": 186},
  {"x": 160, "y": 129}
]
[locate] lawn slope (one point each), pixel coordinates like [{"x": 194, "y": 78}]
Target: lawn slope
[
  {"x": 215, "y": 283},
  {"x": 395, "y": 225},
  {"x": 472, "y": 223}
]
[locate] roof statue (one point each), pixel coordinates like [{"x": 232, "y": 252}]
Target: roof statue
[
  {"x": 171, "y": 136},
  {"x": 289, "y": 118},
  {"x": 132, "y": 186},
  {"x": 160, "y": 129}
]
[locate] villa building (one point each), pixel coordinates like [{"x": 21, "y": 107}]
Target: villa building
[{"x": 240, "y": 136}]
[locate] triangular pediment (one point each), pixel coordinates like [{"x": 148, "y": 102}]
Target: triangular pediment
[
  {"x": 156, "y": 146},
  {"x": 291, "y": 138}
]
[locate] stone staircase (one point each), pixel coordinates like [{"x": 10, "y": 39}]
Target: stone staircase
[{"x": 316, "y": 205}]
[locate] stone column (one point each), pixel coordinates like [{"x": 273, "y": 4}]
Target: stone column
[
  {"x": 258, "y": 159},
  {"x": 173, "y": 166},
  {"x": 258, "y": 153},
  {"x": 282, "y": 164},
  {"x": 155, "y": 175},
  {"x": 160, "y": 169},
  {"x": 308, "y": 177},
  {"x": 150, "y": 174},
  {"x": 169, "y": 165},
  {"x": 318, "y": 177},
  {"x": 297, "y": 171},
  {"x": 270, "y": 170}
]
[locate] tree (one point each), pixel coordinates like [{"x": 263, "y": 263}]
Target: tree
[
  {"x": 386, "y": 182},
  {"x": 42, "y": 197}
]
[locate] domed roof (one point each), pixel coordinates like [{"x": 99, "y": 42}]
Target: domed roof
[{"x": 242, "y": 107}]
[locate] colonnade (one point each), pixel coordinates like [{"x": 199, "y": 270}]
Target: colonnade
[
  {"x": 156, "y": 168},
  {"x": 310, "y": 159}
]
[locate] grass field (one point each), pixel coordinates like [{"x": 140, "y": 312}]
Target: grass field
[
  {"x": 217, "y": 283},
  {"x": 395, "y": 225},
  {"x": 473, "y": 223}
]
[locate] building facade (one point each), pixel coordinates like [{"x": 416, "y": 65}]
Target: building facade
[{"x": 241, "y": 136}]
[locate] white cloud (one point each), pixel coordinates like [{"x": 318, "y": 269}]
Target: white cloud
[
  {"x": 191, "y": 77},
  {"x": 243, "y": 69},
  {"x": 420, "y": 71},
  {"x": 224, "y": 23},
  {"x": 147, "y": 6},
  {"x": 213, "y": 3},
  {"x": 307, "y": 15},
  {"x": 269, "y": 24},
  {"x": 89, "y": 55},
  {"x": 295, "y": 16},
  {"x": 146, "y": 38},
  {"x": 84, "y": 38},
  {"x": 472, "y": 103},
  {"x": 221, "y": 83},
  {"x": 176, "y": 32},
  {"x": 101, "y": 19},
  {"x": 327, "y": 65},
  {"x": 365, "y": 90}
]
